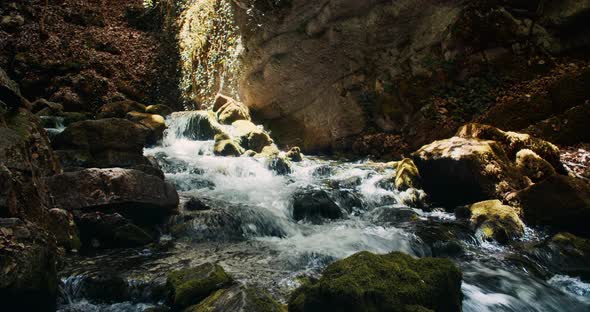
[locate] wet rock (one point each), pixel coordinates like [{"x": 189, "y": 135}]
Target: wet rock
[
  {"x": 366, "y": 281},
  {"x": 494, "y": 221},
  {"x": 104, "y": 287},
  {"x": 565, "y": 253},
  {"x": 119, "y": 109},
  {"x": 251, "y": 136},
  {"x": 156, "y": 124},
  {"x": 225, "y": 221},
  {"x": 294, "y": 154},
  {"x": 391, "y": 215},
  {"x": 131, "y": 192},
  {"x": 233, "y": 111},
  {"x": 279, "y": 164},
  {"x": 192, "y": 285},
  {"x": 159, "y": 109},
  {"x": 315, "y": 205},
  {"x": 348, "y": 200},
  {"x": 533, "y": 166},
  {"x": 237, "y": 299},
  {"x": 513, "y": 142},
  {"x": 28, "y": 264},
  {"x": 561, "y": 202},
  {"x": 201, "y": 125},
  {"x": 461, "y": 171},
  {"x": 195, "y": 204},
  {"x": 225, "y": 146},
  {"x": 100, "y": 230},
  {"x": 443, "y": 239},
  {"x": 407, "y": 175}
]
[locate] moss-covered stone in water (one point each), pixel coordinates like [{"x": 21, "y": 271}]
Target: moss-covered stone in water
[
  {"x": 394, "y": 282},
  {"x": 190, "y": 286},
  {"x": 407, "y": 175},
  {"x": 496, "y": 221},
  {"x": 237, "y": 299}
]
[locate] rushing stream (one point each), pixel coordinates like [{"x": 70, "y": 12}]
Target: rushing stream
[{"x": 250, "y": 231}]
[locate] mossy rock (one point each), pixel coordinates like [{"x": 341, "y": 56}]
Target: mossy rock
[
  {"x": 233, "y": 111},
  {"x": 251, "y": 136},
  {"x": 407, "y": 175},
  {"x": 238, "y": 299},
  {"x": 495, "y": 221},
  {"x": 533, "y": 166},
  {"x": 154, "y": 122},
  {"x": 225, "y": 146},
  {"x": 513, "y": 142},
  {"x": 573, "y": 254},
  {"x": 394, "y": 282},
  {"x": 459, "y": 171},
  {"x": 190, "y": 286},
  {"x": 159, "y": 109}
]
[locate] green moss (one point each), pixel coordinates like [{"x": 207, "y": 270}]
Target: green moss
[
  {"x": 190, "y": 286},
  {"x": 407, "y": 175},
  {"x": 393, "y": 282}
]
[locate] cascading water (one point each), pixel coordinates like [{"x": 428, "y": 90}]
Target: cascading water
[{"x": 248, "y": 227}]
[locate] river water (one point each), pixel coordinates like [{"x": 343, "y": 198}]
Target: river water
[{"x": 250, "y": 231}]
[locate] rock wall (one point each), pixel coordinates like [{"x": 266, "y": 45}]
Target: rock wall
[{"x": 322, "y": 72}]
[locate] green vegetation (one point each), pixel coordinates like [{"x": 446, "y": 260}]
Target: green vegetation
[
  {"x": 192, "y": 285},
  {"x": 392, "y": 282}
]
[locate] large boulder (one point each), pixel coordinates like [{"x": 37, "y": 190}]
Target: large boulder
[
  {"x": 461, "y": 171},
  {"x": 226, "y": 146},
  {"x": 250, "y": 136},
  {"x": 494, "y": 221},
  {"x": 120, "y": 109},
  {"x": 232, "y": 111},
  {"x": 103, "y": 143},
  {"x": 513, "y": 142},
  {"x": 315, "y": 205},
  {"x": 131, "y": 192},
  {"x": 200, "y": 125},
  {"x": 238, "y": 298},
  {"x": 154, "y": 122},
  {"x": 392, "y": 282},
  {"x": 28, "y": 260},
  {"x": 104, "y": 134},
  {"x": 191, "y": 285},
  {"x": 561, "y": 202}
]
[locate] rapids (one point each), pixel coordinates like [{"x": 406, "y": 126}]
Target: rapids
[{"x": 250, "y": 230}]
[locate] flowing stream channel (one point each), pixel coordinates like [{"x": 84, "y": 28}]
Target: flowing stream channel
[{"x": 250, "y": 230}]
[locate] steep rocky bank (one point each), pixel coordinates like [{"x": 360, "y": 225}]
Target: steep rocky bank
[{"x": 344, "y": 71}]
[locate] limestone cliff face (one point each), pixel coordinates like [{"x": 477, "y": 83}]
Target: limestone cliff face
[
  {"x": 321, "y": 72},
  {"x": 313, "y": 67}
]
